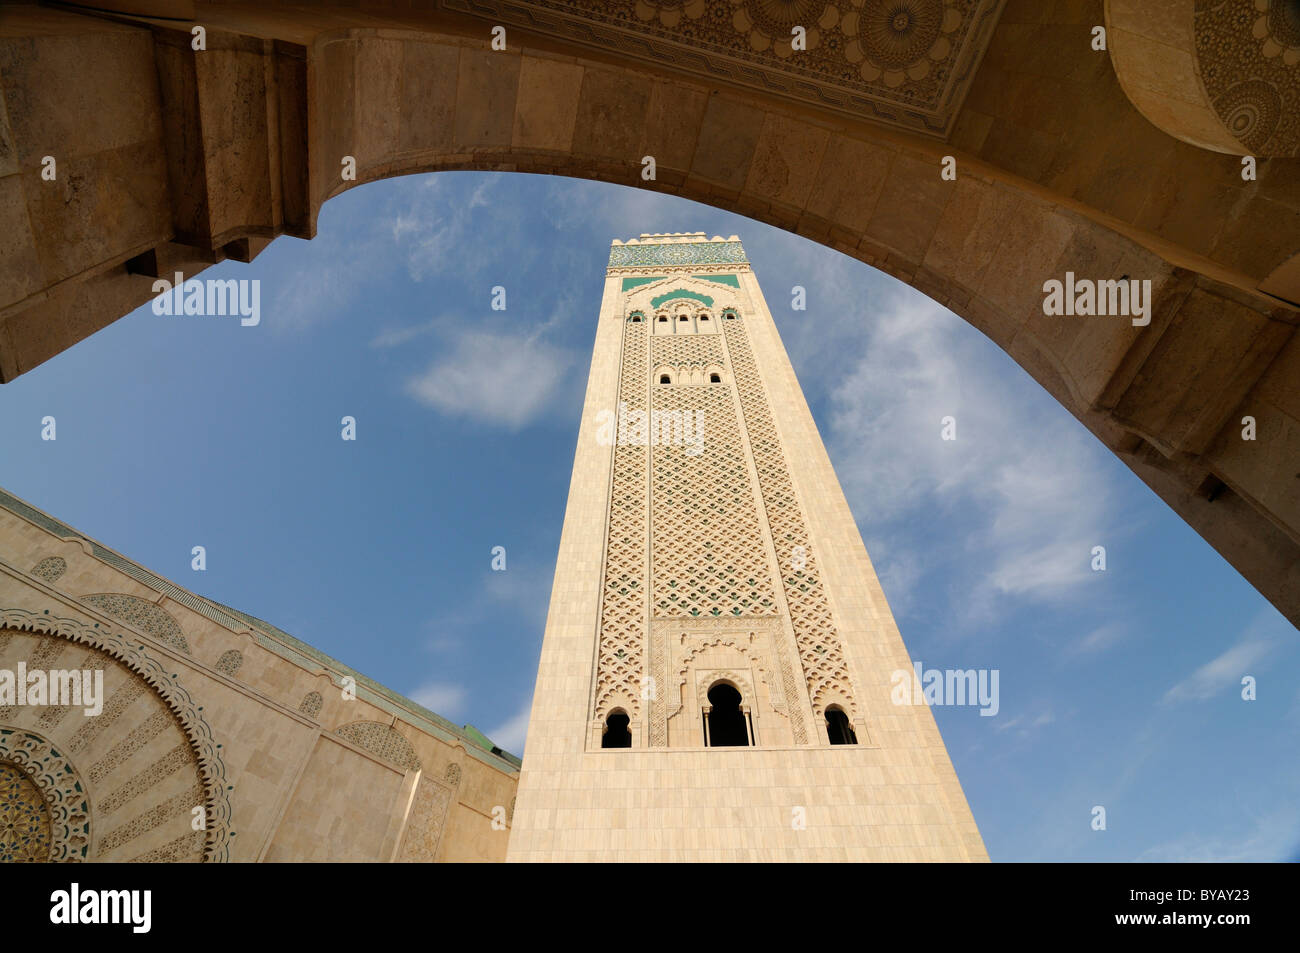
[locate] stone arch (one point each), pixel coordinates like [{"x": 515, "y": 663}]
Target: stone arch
[
  {"x": 1218, "y": 74},
  {"x": 615, "y": 699},
  {"x": 141, "y": 614},
  {"x": 983, "y": 246},
  {"x": 402, "y": 96},
  {"x": 383, "y": 740},
  {"x": 140, "y": 807},
  {"x": 774, "y": 689},
  {"x": 706, "y": 681}
]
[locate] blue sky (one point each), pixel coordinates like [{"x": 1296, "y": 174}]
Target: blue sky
[{"x": 1119, "y": 688}]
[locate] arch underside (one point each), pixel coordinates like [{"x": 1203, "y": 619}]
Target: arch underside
[{"x": 1167, "y": 397}]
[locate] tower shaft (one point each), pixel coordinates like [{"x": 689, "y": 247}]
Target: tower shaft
[{"x": 715, "y": 680}]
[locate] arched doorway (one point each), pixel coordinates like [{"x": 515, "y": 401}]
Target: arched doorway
[
  {"x": 727, "y": 723},
  {"x": 617, "y": 734},
  {"x": 839, "y": 730}
]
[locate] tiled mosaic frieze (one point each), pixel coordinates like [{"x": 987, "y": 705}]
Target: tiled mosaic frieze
[{"x": 676, "y": 253}]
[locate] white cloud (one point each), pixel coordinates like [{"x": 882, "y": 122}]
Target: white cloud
[
  {"x": 439, "y": 231},
  {"x": 1027, "y": 725},
  {"x": 1022, "y": 486},
  {"x": 496, "y": 379},
  {"x": 439, "y": 697},
  {"x": 523, "y": 588},
  {"x": 1265, "y": 839},
  {"x": 393, "y": 337},
  {"x": 510, "y": 735},
  {"x": 526, "y": 588},
  {"x": 1220, "y": 673},
  {"x": 1100, "y": 638}
]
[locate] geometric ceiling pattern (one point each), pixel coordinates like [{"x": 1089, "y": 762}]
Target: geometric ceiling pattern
[{"x": 906, "y": 63}]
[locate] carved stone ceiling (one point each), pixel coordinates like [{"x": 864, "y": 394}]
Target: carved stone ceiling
[{"x": 907, "y": 63}]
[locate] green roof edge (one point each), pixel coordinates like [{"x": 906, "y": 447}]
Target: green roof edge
[{"x": 271, "y": 637}]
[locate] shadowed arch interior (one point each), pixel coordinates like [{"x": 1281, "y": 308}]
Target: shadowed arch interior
[
  {"x": 727, "y": 723},
  {"x": 616, "y": 734}
]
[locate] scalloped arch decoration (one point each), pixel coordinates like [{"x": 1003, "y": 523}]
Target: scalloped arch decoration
[
  {"x": 198, "y": 733},
  {"x": 774, "y": 688}
]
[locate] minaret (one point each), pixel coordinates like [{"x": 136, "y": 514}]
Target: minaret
[{"x": 716, "y": 674}]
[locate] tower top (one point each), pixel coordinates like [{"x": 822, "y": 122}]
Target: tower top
[
  {"x": 663, "y": 250},
  {"x": 662, "y": 238}
]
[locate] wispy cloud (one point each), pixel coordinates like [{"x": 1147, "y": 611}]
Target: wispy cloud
[
  {"x": 503, "y": 380},
  {"x": 1100, "y": 639},
  {"x": 526, "y": 589},
  {"x": 438, "y": 230},
  {"x": 394, "y": 337},
  {"x": 1220, "y": 673},
  {"x": 1027, "y": 725},
  {"x": 1032, "y": 515},
  {"x": 440, "y": 697},
  {"x": 1266, "y": 838},
  {"x": 511, "y": 733},
  {"x": 430, "y": 230}
]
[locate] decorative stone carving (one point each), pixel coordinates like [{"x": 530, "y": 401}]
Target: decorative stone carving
[
  {"x": 708, "y": 525},
  {"x": 50, "y": 568},
  {"x": 24, "y": 818},
  {"x": 310, "y": 704},
  {"x": 907, "y": 63},
  {"x": 142, "y": 615},
  {"x": 425, "y": 826},
  {"x": 162, "y": 793},
  {"x": 59, "y": 828},
  {"x": 623, "y": 605},
  {"x": 737, "y": 640},
  {"x": 1234, "y": 85},
  {"x": 707, "y": 678},
  {"x": 383, "y": 740},
  {"x": 230, "y": 662},
  {"x": 1247, "y": 51},
  {"x": 825, "y": 669}
]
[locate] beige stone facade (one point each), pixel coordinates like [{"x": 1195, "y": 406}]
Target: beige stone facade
[
  {"x": 215, "y": 720},
  {"x": 732, "y": 561}
]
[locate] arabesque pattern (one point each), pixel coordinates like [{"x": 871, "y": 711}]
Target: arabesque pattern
[
  {"x": 623, "y": 609},
  {"x": 824, "y": 665}
]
